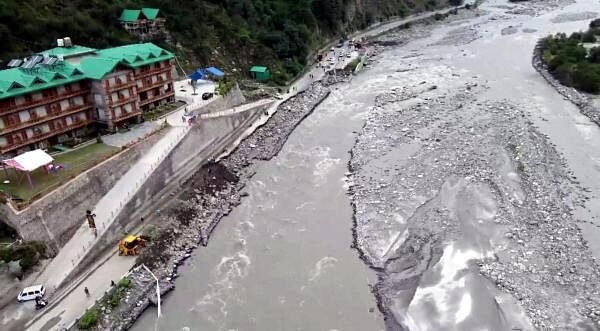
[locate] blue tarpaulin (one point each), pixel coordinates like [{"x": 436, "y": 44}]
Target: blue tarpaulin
[
  {"x": 197, "y": 75},
  {"x": 215, "y": 72},
  {"x": 203, "y": 73}
]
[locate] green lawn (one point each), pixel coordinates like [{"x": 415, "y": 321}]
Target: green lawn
[{"x": 74, "y": 162}]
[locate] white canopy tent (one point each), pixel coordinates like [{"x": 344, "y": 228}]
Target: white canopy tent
[{"x": 28, "y": 162}]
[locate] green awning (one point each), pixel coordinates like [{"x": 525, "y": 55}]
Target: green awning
[{"x": 259, "y": 69}]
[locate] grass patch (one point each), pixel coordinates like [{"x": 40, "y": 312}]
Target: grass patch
[
  {"x": 74, "y": 162},
  {"x": 88, "y": 320}
]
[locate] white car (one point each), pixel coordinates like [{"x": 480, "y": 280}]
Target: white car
[{"x": 31, "y": 292}]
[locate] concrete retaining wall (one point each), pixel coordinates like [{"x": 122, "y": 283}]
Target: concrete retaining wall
[
  {"x": 204, "y": 141},
  {"x": 54, "y": 218}
]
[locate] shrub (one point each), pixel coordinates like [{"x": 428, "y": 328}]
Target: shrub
[
  {"x": 594, "y": 56},
  {"x": 589, "y": 37},
  {"x": 125, "y": 282},
  {"x": 115, "y": 298},
  {"x": 88, "y": 320},
  {"x": 225, "y": 86},
  {"x": 28, "y": 253},
  {"x": 570, "y": 62}
]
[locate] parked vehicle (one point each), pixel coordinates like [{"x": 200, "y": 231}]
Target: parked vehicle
[
  {"x": 31, "y": 292},
  {"x": 207, "y": 95}
]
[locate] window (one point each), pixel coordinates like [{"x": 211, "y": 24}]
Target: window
[
  {"x": 24, "y": 116},
  {"x": 64, "y": 104},
  {"x": 40, "y": 111}
]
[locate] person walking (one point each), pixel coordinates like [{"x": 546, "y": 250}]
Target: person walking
[
  {"x": 91, "y": 221},
  {"x": 87, "y": 292}
]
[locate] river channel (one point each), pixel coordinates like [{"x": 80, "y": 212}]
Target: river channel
[{"x": 282, "y": 259}]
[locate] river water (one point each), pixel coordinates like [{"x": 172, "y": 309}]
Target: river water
[{"x": 282, "y": 259}]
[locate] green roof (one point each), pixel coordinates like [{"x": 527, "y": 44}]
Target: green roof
[
  {"x": 97, "y": 67},
  {"x": 150, "y": 13},
  {"x": 17, "y": 81},
  {"x": 66, "y": 52},
  {"x": 136, "y": 55},
  {"x": 259, "y": 69},
  {"x": 95, "y": 64},
  {"x": 130, "y": 15}
]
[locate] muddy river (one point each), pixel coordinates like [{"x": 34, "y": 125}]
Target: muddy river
[{"x": 282, "y": 260}]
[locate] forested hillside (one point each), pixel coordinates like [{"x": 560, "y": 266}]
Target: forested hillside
[{"x": 229, "y": 33}]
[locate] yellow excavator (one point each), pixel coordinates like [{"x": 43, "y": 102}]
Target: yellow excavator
[{"x": 131, "y": 244}]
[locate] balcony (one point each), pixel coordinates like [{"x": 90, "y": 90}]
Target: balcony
[
  {"x": 45, "y": 135},
  {"x": 121, "y": 85},
  {"x": 45, "y": 100},
  {"x": 152, "y": 71},
  {"x": 156, "y": 97},
  {"x": 159, "y": 82},
  {"x": 42, "y": 119},
  {"x": 122, "y": 101},
  {"x": 125, "y": 116}
]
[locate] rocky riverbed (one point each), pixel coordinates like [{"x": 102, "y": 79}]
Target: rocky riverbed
[{"x": 463, "y": 206}]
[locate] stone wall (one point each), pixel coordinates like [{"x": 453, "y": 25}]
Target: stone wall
[{"x": 55, "y": 217}]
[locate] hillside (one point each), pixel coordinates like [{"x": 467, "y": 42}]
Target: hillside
[{"x": 232, "y": 34}]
